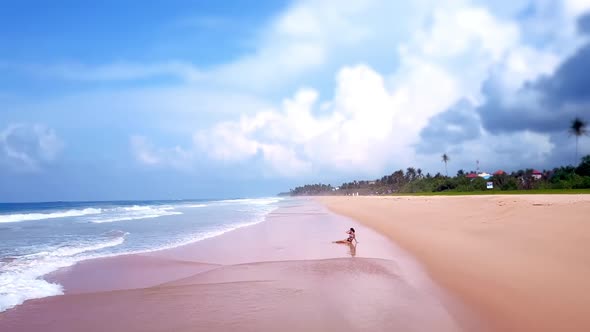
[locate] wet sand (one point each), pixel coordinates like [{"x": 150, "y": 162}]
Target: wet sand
[
  {"x": 282, "y": 274},
  {"x": 523, "y": 262}
]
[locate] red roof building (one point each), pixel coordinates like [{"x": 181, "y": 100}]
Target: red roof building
[
  {"x": 499, "y": 172},
  {"x": 471, "y": 175}
]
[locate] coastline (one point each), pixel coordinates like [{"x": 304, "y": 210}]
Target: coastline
[
  {"x": 519, "y": 261},
  {"x": 283, "y": 273}
]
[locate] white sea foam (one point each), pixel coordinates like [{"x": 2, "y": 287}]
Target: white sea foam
[
  {"x": 254, "y": 201},
  {"x": 40, "y": 216},
  {"x": 102, "y": 215},
  {"x": 99, "y": 215},
  {"x": 20, "y": 277},
  {"x": 194, "y": 205},
  {"x": 133, "y": 213}
]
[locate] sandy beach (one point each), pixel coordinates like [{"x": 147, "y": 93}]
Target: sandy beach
[
  {"x": 523, "y": 262},
  {"x": 282, "y": 274},
  {"x": 474, "y": 263}
]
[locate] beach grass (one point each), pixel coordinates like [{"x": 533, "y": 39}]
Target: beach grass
[{"x": 500, "y": 192}]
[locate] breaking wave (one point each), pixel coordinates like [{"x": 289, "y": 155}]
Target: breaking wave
[
  {"x": 40, "y": 216},
  {"x": 20, "y": 277},
  {"x": 133, "y": 213}
]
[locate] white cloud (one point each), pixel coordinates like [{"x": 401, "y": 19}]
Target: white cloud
[
  {"x": 524, "y": 64},
  {"x": 228, "y": 141},
  {"x": 508, "y": 151},
  {"x": 294, "y": 43},
  {"x": 301, "y": 39},
  {"x": 374, "y": 120},
  {"x": 149, "y": 155},
  {"x": 575, "y": 8},
  {"x": 442, "y": 52},
  {"x": 283, "y": 160},
  {"x": 144, "y": 151},
  {"x": 457, "y": 31},
  {"x": 304, "y": 38},
  {"x": 362, "y": 128},
  {"x": 27, "y": 147}
]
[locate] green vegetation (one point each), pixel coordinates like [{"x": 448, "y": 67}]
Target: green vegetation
[
  {"x": 567, "y": 179},
  {"x": 501, "y": 192},
  {"x": 310, "y": 190}
]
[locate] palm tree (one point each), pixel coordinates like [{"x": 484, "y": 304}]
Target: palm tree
[
  {"x": 411, "y": 173},
  {"x": 578, "y": 128},
  {"x": 445, "y": 159}
]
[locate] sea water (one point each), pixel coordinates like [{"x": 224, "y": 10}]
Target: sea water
[{"x": 39, "y": 238}]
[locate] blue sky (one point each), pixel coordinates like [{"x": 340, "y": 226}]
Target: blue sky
[{"x": 195, "y": 99}]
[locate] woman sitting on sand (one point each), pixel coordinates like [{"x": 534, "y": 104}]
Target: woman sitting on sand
[{"x": 351, "y": 237}]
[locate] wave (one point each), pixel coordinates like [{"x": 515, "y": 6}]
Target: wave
[
  {"x": 195, "y": 205},
  {"x": 40, "y": 216},
  {"x": 73, "y": 250},
  {"x": 134, "y": 212},
  {"x": 20, "y": 277},
  {"x": 143, "y": 208},
  {"x": 98, "y": 215},
  {"x": 122, "y": 213}
]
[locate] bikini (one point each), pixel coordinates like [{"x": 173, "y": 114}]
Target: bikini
[{"x": 350, "y": 237}]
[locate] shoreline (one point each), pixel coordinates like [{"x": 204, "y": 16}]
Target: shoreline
[
  {"x": 519, "y": 261},
  {"x": 255, "y": 277}
]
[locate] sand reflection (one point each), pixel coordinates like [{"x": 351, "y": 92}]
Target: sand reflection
[
  {"x": 351, "y": 247},
  {"x": 352, "y": 250}
]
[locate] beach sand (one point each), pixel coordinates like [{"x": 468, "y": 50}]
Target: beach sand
[
  {"x": 283, "y": 274},
  {"x": 523, "y": 262}
]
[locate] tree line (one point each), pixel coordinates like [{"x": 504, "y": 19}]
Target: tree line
[{"x": 413, "y": 180}]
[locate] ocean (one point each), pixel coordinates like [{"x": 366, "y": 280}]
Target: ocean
[{"x": 39, "y": 238}]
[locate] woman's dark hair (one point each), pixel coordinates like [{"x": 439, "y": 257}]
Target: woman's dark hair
[{"x": 352, "y": 229}]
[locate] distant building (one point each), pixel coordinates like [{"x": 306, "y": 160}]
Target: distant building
[
  {"x": 499, "y": 172},
  {"x": 484, "y": 175},
  {"x": 537, "y": 174},
  {"x": 471, "y": 175}
]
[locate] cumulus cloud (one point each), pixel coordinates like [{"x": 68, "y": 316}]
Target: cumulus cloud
[
  {"x": 28, "y": 147},
  {"x": 454, "y": 126},
  {"x": 361, "y": 128},
  {"x": 546, "y": 104},
  {"x": 457, "y": 78},
  {"x": 520, "y": 120},
  {"x": 577, "y": 7},
  {"x": 429, "y": 103},
  {"x": 509, "y": 151},
  {"x": 374, "y": 119}
]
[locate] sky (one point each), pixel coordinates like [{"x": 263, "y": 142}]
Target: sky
[{"x": 199, "y": 99}]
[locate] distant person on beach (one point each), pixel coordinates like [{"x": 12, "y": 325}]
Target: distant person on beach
[{"x": 351, "y": 237}]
